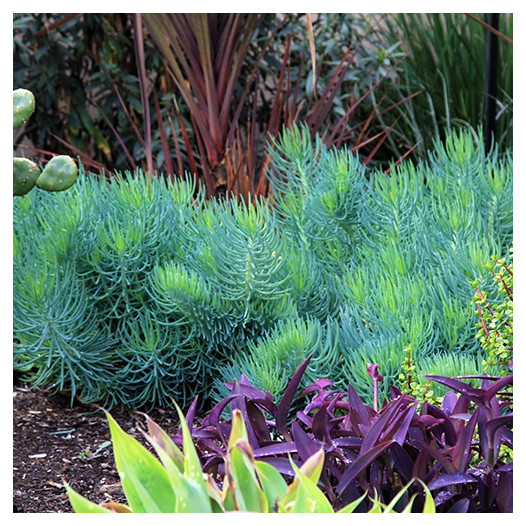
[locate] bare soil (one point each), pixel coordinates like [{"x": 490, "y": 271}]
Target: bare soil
[{"x": 56, "y": 442}]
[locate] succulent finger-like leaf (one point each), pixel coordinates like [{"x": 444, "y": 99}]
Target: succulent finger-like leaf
[{"x": 25, "y": 175}]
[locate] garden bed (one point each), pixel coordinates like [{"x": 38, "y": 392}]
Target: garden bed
[{"x": 55, "y": 442}]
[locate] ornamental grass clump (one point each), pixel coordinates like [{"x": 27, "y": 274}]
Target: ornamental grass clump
[{"x": 136, "y": 290}]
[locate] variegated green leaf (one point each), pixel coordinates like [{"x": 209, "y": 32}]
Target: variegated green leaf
[
  {"x": 144, "y": 480},
  {"x": 82, "y": 505}
]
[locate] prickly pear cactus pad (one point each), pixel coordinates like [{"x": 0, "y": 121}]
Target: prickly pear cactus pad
[
  {"x": 25, "y": 175},
  {"x": 59, "y": 174},
  {"x": 23, "y": 106}
]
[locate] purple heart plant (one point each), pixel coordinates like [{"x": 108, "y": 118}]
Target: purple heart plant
[{"x": 455, "y": 448}]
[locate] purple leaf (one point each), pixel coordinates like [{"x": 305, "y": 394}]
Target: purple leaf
[
  {"x": 496, "y": 387},
  {"x": 398, "y": 429},
  {"x": 360, "y": 463},
  {"x": 282, "y": 465},
  {"x": 305, "y": 444},
  {"x": 358, "y": 412},
  {"x": 420, "y": 469},
  {"x": 288, "y": 397},
  {"x": 306, "y": 419},
  {"x": 190, "y": 414},
  {"x": 449, "y": 402},
  {"x": 403, "y": 463},
  {"x": 450, "y": 478},
  {"x": 505, "y": 491},
  {"x": 446, "y": 426},
  {"x": 348, "y": 442},
  {"x": 442, "y": 459},
  {"x": 443, "y": 497},
  {"x": 379, "y": 426},
  {"x": 258, "y": 422},
  {"x": 320, "y": 426},
  {"x": 456, "y": 385},
  {"x": 462, "y": 453},
  {"x": 279, "y": 448},
  {"x": 460, "y": 506},
  {"x": 318, "y": 385}
]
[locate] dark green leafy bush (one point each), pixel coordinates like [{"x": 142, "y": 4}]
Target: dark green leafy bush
[{"x": 139, "y": 290}]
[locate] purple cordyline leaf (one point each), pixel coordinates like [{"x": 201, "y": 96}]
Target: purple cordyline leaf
[
  {"x": 306, "y": 445},
  {"x": 450, "y": 478},
  {"x": 462, "y": 452},
  {"x": 360, "y": 463},
  {"x": 288, "y": 396}
]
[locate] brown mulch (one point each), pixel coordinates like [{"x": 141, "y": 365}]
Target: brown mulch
[{"x": 55, "y": 442}]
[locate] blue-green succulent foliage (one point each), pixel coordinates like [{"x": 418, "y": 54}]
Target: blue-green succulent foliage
[{"x": 139, "y": 290}]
